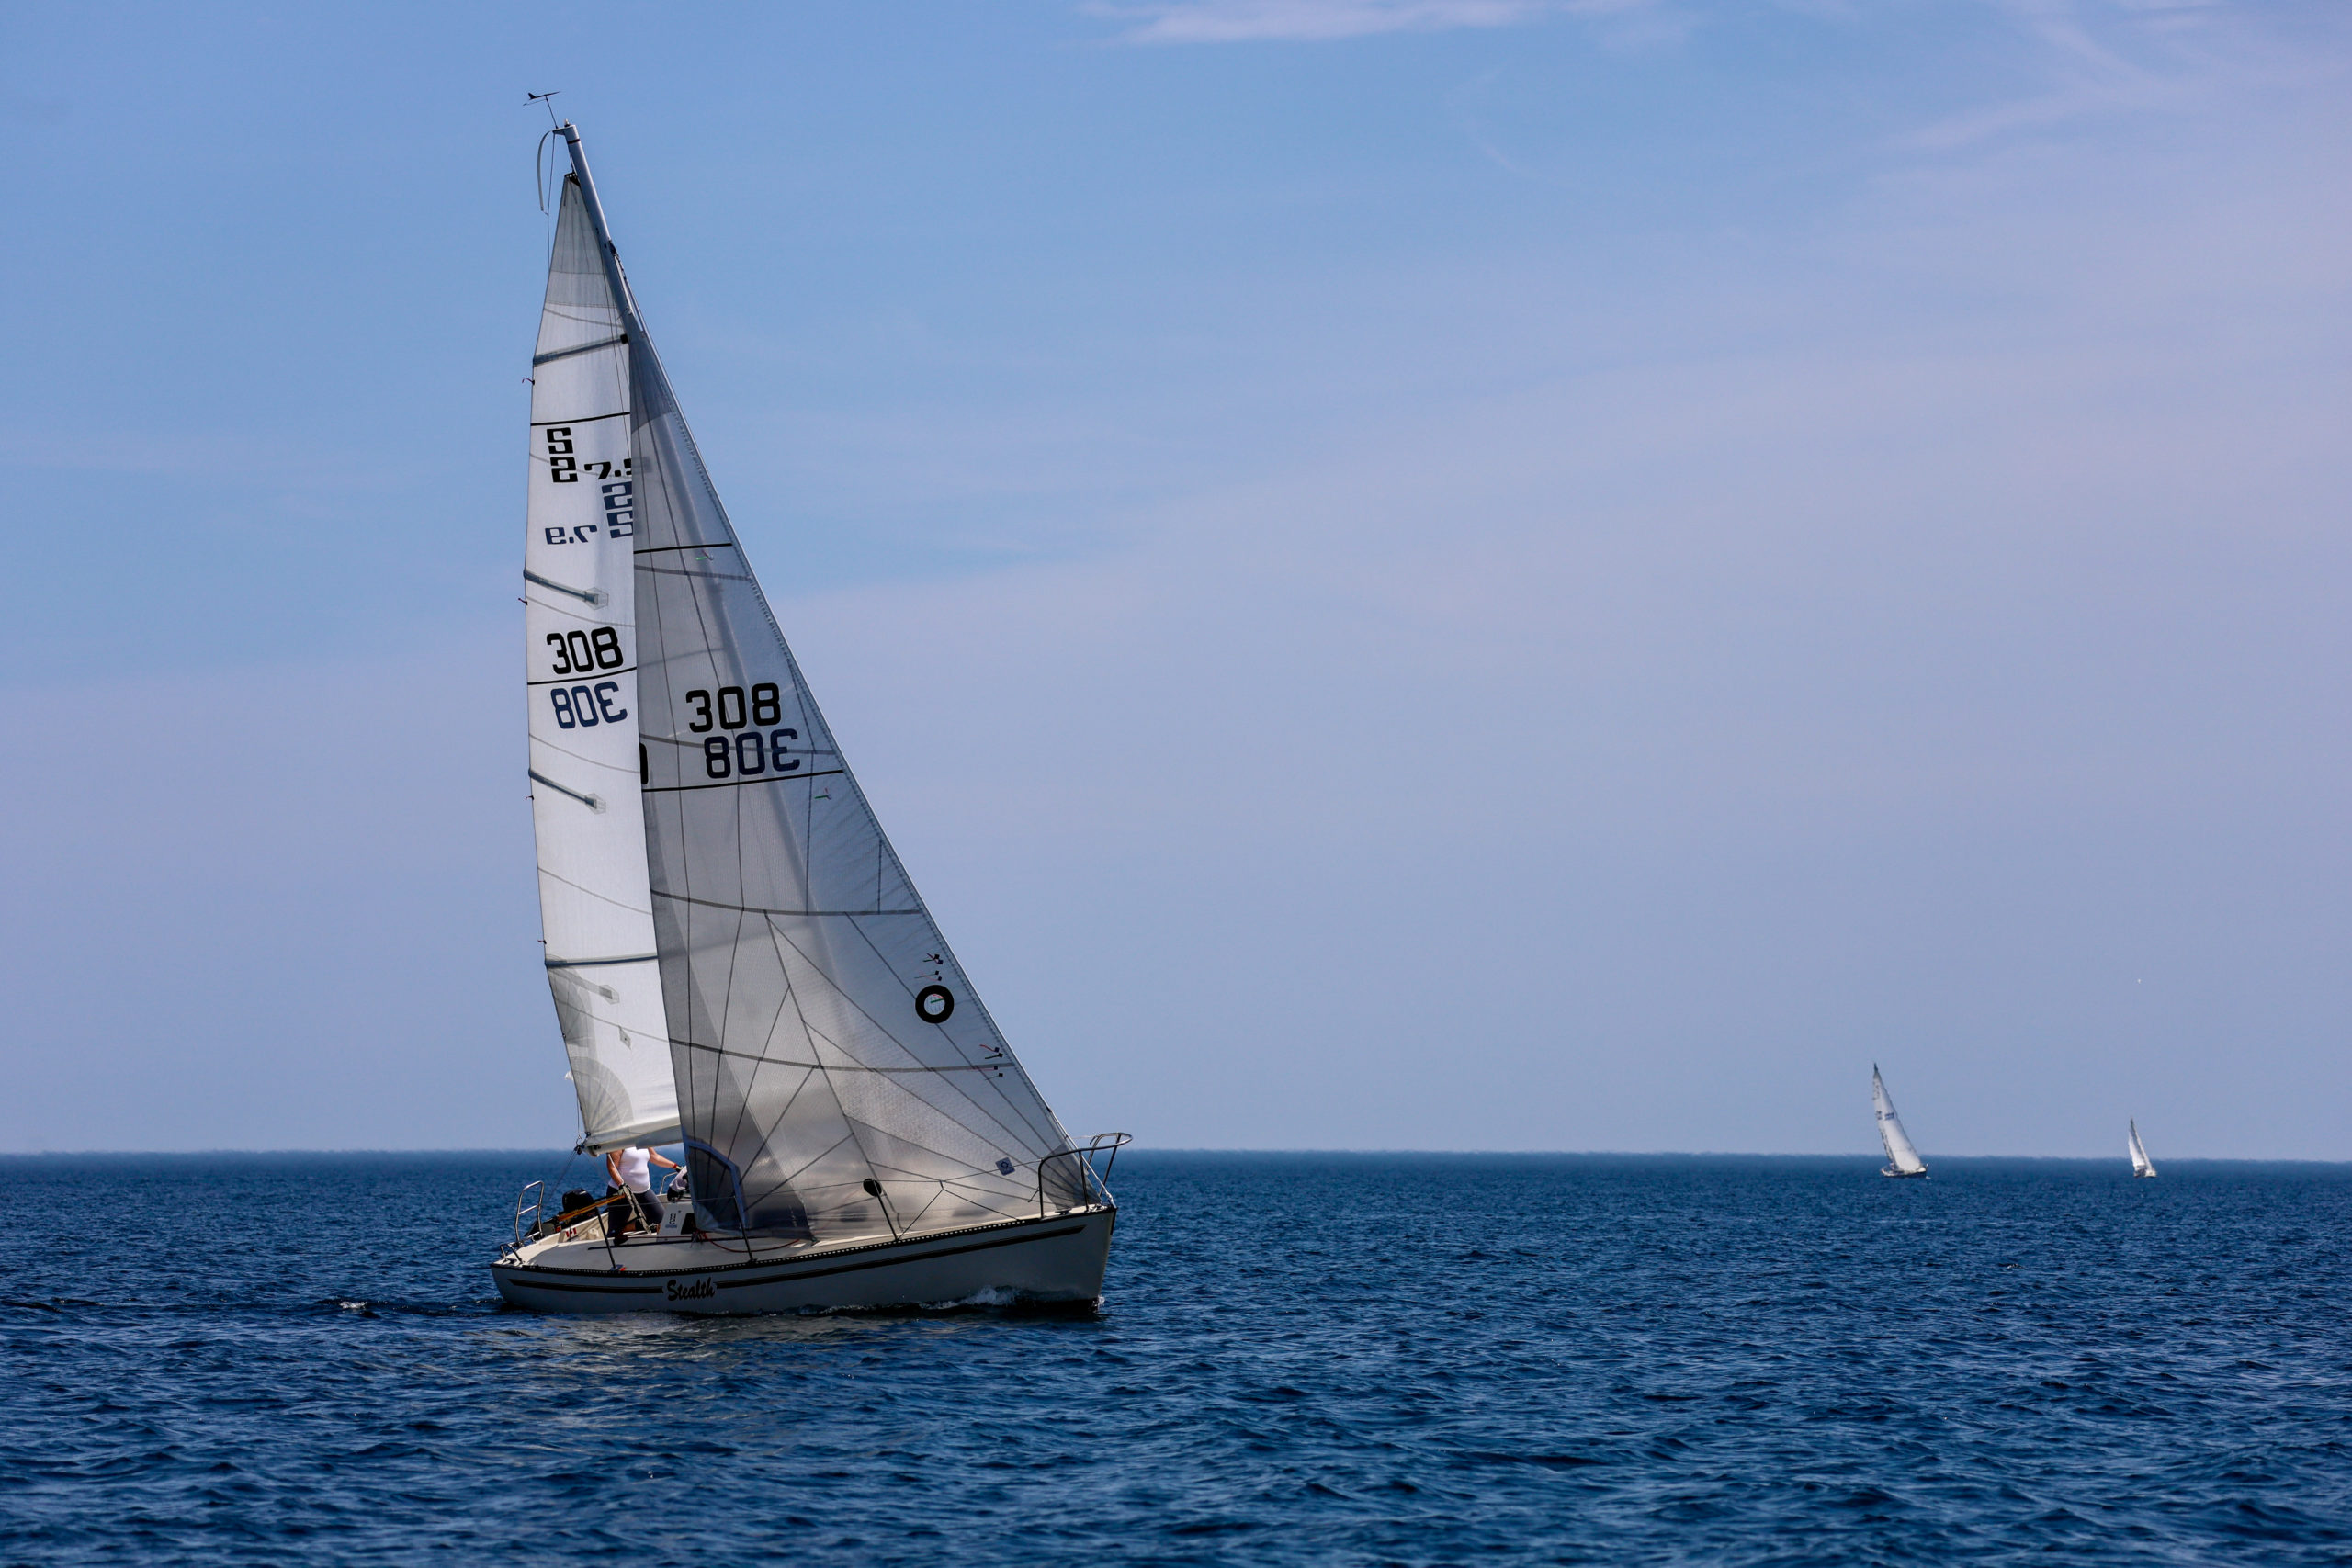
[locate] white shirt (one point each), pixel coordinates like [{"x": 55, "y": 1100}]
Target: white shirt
[{"x": 634, "y": 1173}]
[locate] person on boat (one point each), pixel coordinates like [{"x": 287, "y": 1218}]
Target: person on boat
[{"x": 630, "y": 1172}]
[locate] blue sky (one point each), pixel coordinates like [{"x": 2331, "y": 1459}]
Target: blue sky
[{"x": 1446, "y": 573}]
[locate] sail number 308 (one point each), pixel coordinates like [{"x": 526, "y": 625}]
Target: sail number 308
[
  {"x": 756, "y": 749},
  {"x": 584, "y": 653}
]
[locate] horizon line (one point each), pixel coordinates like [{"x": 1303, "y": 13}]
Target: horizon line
[{"x": 1202, "y": 1149}]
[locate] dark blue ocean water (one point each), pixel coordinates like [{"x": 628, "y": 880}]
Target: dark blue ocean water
[{"x": 1302, "y": 1359}]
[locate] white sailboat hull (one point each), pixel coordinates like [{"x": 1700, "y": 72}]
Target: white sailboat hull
[
  {"x": 1056, "y": 1259},
  {"x": 1903, "y": 1175}
]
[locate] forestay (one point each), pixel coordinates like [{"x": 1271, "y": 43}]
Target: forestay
[
  {"x": 586, "y": 811},
  {"x": 837, "y": 1075}
]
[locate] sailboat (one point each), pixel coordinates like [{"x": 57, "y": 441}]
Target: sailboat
[
  {"x": 2141, "y": 1163},
  {"x": 739, "y": 961},
  {"x": 1902, "y": 1159}
]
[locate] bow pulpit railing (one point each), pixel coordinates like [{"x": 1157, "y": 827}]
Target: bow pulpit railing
[{"x": 1091, "y": 1165}]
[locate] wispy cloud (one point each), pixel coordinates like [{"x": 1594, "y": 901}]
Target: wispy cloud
[
  {"x": 2086, "y": 53},
  {"x": 1239, "y": 21}
]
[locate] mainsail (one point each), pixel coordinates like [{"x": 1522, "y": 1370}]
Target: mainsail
[
  {"x": 835, "y": 1070},
  {"x": 2141, "y": 1163},
  {"x": 580, "y": 596},
  {"x": 1902, "y": 1159}
]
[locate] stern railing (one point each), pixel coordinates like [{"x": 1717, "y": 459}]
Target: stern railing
[{"x": 533, "y": 1201}]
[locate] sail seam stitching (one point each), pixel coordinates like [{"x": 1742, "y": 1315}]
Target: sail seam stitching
[
  {"x": 737, "y": 783},
  {"x": 578, "y": 680},
  {"x": 605, "y": 897}
]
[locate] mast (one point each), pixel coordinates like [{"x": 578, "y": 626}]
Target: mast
[{"x": 626, "y": 302}]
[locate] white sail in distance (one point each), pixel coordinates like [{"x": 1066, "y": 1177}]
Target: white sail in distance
[
  {"x": 836, "y": 1071},
  {"x": 580, "y": 595},
  {"x": 2141, "y": 1163},
  {"x": 1902, "y": 1159}
]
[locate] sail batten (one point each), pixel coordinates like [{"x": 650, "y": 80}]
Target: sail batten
[{"x": 834, "y": 1071}]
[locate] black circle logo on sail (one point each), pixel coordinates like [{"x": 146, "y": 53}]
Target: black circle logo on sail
[{"x": 933, "y": 1003}]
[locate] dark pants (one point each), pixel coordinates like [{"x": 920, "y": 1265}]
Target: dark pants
[{"x": 642, "y": 1211}]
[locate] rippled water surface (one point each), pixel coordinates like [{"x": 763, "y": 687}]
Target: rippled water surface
[{"x": 1301, "y": 1359}]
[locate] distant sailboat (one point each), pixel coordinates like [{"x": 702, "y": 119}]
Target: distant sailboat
[
  {"x": 2141, "y": 1163},
  {"x": 1902, "y": 1159}
]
